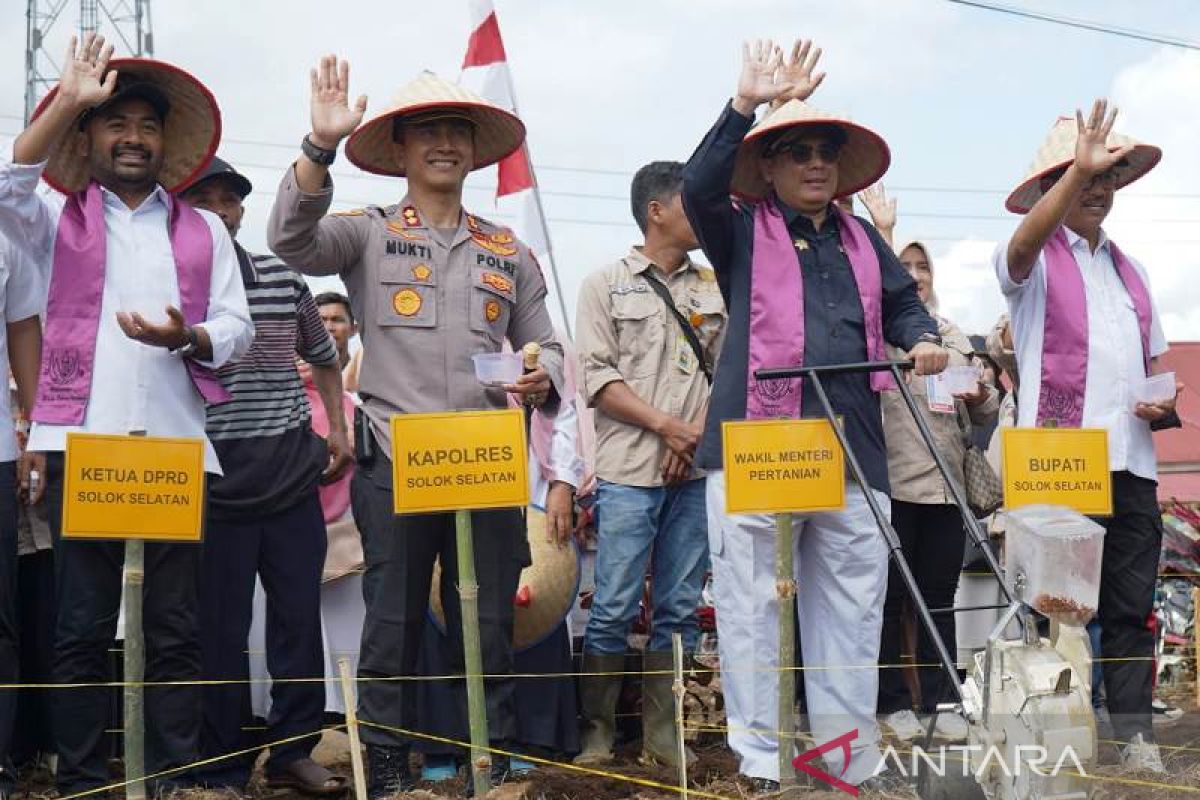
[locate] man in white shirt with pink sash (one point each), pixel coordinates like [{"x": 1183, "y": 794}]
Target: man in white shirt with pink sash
[
  {"x": 1087, "y": 336},
  {"x": 145, "y": 301}
]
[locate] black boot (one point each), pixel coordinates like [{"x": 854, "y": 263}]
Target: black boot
[{"x": 387, "y": 771}]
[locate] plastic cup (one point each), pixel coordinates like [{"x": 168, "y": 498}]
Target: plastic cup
[
  {"x": 1156, "y": 388},
  {"x": 497, "y": 369}
]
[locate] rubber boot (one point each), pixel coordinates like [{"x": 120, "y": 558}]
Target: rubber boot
[
  {"x": 660, "y": 742},
  {"x": 387, "y": 771},
  {"x": 598, "y": 694}
]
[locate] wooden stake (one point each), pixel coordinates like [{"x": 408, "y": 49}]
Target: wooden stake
[
  {"x": 351, "y": 704},
  {"x": 468, "y": 592},
  {"x": 785, "y": 588},
  {"x": 135, "y": 671},
  {"x": 1196, "y": 637},
  {"x": 679, "y": 690}
]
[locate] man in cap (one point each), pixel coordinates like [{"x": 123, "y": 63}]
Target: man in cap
[
  {"x": 805, "y": 283},
  {"x": 430, "y": 285},
  {"x": 264, "y": 513},
  {"x": 22, "y": 298},
  {"x": 1087, "y": 336},
  {"x": 649, "y": 329},
  {"x": 144, "y": 303}
]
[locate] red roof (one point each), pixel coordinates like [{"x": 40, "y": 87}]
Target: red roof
[{"x": 1182, "y": 445}]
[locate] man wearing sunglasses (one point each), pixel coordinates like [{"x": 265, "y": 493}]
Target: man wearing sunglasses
[
  {"x": 805, "y": 283},
  {"x": 1087, "y": 336}
]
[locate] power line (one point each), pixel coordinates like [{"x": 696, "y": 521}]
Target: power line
[{"x": 1128, "y": 33}]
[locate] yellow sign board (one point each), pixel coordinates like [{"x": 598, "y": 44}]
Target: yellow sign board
[
  {"x": 776, "y": 466},
  {"x": 459, "y": 460},
  {"x": 133, "y": 487},
  {"x": 1059, "y": 466}
]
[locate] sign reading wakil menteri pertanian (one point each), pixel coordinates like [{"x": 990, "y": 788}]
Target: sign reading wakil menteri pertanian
[
  {"x": 133, "y": 487},
  {"x": 777, "y": 466},
  {"x": 1059, "y": 466},
  {"x": 459, "y": 460}
]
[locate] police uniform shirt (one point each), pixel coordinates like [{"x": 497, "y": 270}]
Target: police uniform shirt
[{"x": 424, "y": 306}]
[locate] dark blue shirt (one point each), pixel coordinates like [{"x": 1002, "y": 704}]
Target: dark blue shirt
[{"x": 833, "y": 317}]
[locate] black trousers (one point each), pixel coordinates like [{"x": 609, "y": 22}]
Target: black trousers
[
  {"x": 35, "y": 582},
  {"x": 287, "y": 551},
  {"x": 89, "y": 595},
  {"x": 932, "y": 538},
  {"x": 1131, "y": 551},
  {"x": 10, "y": 665},
  {"x": 400, "y": 552}
]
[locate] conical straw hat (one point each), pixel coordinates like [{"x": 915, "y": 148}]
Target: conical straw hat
[
  {"x": 497, "y": 132},
  {"x": 546, "y": 591},
  {"x": 191, "y": 132},
  {"x": 1058, "y": 151},
  {"x": 865, "y": 156}
]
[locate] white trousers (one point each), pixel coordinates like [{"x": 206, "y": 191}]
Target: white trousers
[{"x": 841, "y": 575}]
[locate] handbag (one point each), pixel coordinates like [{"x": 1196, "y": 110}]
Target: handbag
[{"x": 985, "y": 491}]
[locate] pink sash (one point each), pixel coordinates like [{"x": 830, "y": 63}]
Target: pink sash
[
  {"x": 777, "y": 308},
  {"x": 76, "y": 291},
  {"x": 1065, "y": 336}
]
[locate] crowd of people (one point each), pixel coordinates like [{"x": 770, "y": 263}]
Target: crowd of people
[{"x": 131, "y": 308}]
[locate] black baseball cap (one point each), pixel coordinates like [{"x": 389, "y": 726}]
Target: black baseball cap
[
  {"x": 219, "y": 168},
  {"x": 131, "y": 87}
]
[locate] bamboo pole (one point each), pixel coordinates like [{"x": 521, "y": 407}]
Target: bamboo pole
[
  {"x": 468, "y": 592},
  {"x": 351, "y": 704},
  {"x": 1196, "y": 637},
  {"x": 785, "y": 588},
  {"x": 679, "y": 690},
  {"x": 134, "y": 750}
]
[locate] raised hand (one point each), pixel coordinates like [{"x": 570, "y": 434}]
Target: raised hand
[
  {"x": 797, "y": 71},
  {"x": 881, "y": 208},
  {"x": 332, "y": 117},
  {"x": 1092, "y": 155},
  {"x": 83, "y": 82},
  {"x": 759, "y": 82}
]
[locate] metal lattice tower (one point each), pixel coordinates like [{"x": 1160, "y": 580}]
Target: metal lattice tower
[{"x": 125, "y": 23}]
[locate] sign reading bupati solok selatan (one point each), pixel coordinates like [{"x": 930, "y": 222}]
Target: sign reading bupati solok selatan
[{"x": 459, "y": 460}]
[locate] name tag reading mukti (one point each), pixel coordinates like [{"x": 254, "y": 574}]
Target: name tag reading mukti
[{"x": 133, "y": 487}]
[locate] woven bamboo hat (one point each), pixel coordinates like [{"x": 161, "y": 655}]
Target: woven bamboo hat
[
  {"x": 498, "y": 132},
  {"x": 865, "y": 155},
  {"x": 1058, "y": 151},
  {"x": 191, "y": 125},
  {"x": 546, "y": 591}
]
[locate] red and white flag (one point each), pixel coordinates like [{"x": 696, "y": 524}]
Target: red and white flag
[{"x": 485, "y": 71}]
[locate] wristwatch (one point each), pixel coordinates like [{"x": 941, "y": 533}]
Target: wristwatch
[
  {"x": 316, "y": 154},
  {"x": 189, "y": 348},
  {"x": 931, "y": 338}
]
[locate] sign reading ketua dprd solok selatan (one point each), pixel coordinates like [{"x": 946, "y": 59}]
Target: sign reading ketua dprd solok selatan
[{"x": 133, "y": 487}]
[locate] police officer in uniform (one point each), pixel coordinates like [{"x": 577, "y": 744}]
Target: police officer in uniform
[{"x": 431, "y": 285}]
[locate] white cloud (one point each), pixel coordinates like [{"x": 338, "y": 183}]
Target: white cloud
[
  {"x": 966, "y": 285},
  {"x": 1159, "y": 100}
]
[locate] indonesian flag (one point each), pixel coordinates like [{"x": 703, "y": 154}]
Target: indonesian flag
[{"x": 485, "y": 71}]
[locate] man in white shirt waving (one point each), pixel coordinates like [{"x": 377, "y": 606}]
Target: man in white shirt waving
[
  {"x": 1087, "y": 336},
  {"x": 145, "y": 300}
]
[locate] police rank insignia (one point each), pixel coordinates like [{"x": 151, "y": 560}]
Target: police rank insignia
[
  {"x": 353, "y": 212},
  {"x": 410, "y": 217},
  {"x": 406, "y": 302},
  {"x": 497, "y": 282},
  {"x": 396, "y": 228},
  {"x": 500, "y": 244},
  {"x": 491, "y": 310},
  {"x": 421, "y": 272}
]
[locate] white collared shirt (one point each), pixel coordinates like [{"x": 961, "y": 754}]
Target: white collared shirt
[
  {"x": 1115, "y": 367},
  {"x": 135, "y": 387},
  {"x": 565, "y": 461},
  {"x": 22, "y": 295}
]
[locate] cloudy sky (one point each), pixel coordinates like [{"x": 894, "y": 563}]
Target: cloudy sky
[{"x": 963, "y": 96}]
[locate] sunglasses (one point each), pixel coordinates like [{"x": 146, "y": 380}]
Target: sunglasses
[{"x": 803, "y": 152}]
